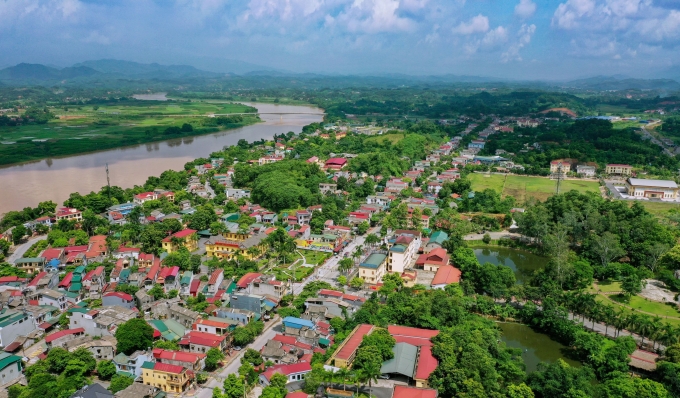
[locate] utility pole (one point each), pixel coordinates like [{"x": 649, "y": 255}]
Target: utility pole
[
  {"x": 108, "y": 182},
  {"x": 559, "y": 179}
]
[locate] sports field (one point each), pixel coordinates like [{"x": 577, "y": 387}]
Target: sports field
[{"x": 523, "y": 187}]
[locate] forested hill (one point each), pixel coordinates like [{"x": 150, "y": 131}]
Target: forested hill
[{"x": 591, "y": 140}]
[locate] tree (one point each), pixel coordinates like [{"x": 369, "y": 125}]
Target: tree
[
  {"x": 120, "y": 382},
  {"x": 363, "y": 228},
  {"x": 342, "y": 280},
  {"x": 372, "y": 239},
  {"x": 560, "y": 380},
  {"x": 213, "y": 358},
  {"x": 356, "y": 283},
  {"x": 64, "y": 320},
  {"x": 233, "y": 387},
  {"x": 633, "y": 387},
  {"x": 253, "y": 357},
  {"x": 607, "y": 247},
  {"x": 381, "y": 340},
  {"x": 486, "y": 238},
  {"x": 57, "y": 360},
  {"x": 106, "y": 370},
  {"x": 134, "y": 335},
  {"x": 166, "y": 345},
  {"x": 520, "y": 391},
  {"x": 157, "y": 292},
  {"x": 631, "y": 285},
  {"x": 85, "y": 356},
  {"x": 18, "y": 234},
  {"x": 345, "y": 265},
  {"x": 655, "y": 253}
]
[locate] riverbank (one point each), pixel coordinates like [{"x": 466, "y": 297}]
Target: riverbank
[
  {"x": 55, "y": 179},
  {"x": 89, "y": 129}
]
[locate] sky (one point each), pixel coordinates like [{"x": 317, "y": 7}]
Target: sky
[{"x": 519, "y": 39}]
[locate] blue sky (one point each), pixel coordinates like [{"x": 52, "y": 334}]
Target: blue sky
[{"x": 524, "y": 39}]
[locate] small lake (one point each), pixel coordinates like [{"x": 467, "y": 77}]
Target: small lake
[
  {"x": 536, "y": 347},
  {"x": 522, "y": 262},
  {"x": 151, "y": 97}
]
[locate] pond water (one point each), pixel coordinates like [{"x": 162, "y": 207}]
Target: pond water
[
  {"x": 522, "y": 262},
  {"x": 536, "y": 347}
]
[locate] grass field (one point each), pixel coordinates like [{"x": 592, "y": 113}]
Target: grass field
[
  {"x": 89, "y": 128},
  {"x": 657, "y": 208},
  {"x": 608, "y": 286},
  {"x": 523, "y": 187},
  {"x": 635, "y": 303},
  {"x": 392, "y": 138}
]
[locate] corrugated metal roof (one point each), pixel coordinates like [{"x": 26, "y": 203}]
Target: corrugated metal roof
[{"x": 404, "y": 361}]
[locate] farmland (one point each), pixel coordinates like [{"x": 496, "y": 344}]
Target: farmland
[
  {"x": 523, "y": 187},
  {"x": 95, "y": 127}
]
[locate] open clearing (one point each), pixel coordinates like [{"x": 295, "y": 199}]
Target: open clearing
[
  {"x": 392, "y": 138},
  {"x": 523, "y": 187}
]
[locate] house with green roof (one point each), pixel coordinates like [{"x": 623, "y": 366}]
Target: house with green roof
[
  {"x": 436, "y": 241},
  {"x": 13, "y": 324},
  {"x": 372, "y": 269},
  {"x": 10, "y": 367},
  {"x": 32, "y": 265}
]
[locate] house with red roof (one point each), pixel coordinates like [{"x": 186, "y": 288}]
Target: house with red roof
[
  {"x": 293, "y": 372},
  {"x": 196, "y": 341},
  {"x": 335, "y": 164},
  {"x": 68, "y": 214},
  {"x": 446, "y": 275},
  {"x": 143, "y": 197},
  {"x": 53, "y": 253},
  {"x": 55, "y": 339},
  {"x": 401, "y": 391},
  {"x": 186, "y": 238},
  {"x": 169, "y": 378},
  {"x": 118, "y": 298},
  {"x": 191, "y": 360},
  {"x": 433, "y": 260},
  {"x": 215, "y": 281}
]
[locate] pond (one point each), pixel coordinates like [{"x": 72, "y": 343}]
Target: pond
[
  {"x": 522, "y": 263},
  {"x": 536, "y": 347}
]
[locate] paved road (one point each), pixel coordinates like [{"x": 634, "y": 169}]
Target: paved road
[
  {"x": 23, "y": 248},
  {"x": 493, "y": 235},
  {"x": 646, "y": 132}
]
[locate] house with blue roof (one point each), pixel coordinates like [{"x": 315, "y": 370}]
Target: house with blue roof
[{"x": 296, "y": 324}]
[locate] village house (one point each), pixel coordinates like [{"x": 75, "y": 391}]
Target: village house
[
  {"x": 103, "y": 349},
  {"x": 372, "y": 269},
  {"x": 144, "y": 197},
  {"x": 446, "y": 275},
  {"x": 30, "y": 265},
  {"x": 120, "y": 299},
  {"x": 213, "y": 325},
  {"x": 395, "y": 185},
  {"x": 240, "y": 316},
  {"x": 131, "y": 364},
  {"x": 433, "y": 260},
  {"x": 202, "y": 342},
  {"x": 69, "y": 214},
  {"x": 293, "y": 372},
  {"x": 476, "y": 144},
  {"x": 559, "y": 168},
  {"x": 436, "y": 240},
  {"x": 169, "y": 378},
  {"x": 102, "y": 321},
  {"x": 10, "y": 368},
  {"x": 186, "y": 238},
  {"x": 61, "y": 337},
  {"x": 250, "y": 302},
  {"x": 52, "y": 297},
  {"x": 191, "y": 360},
  {"x": 236, "y": 193},
  {"x": 14, "y": 323},
  {"x": 334, "y": 164}
]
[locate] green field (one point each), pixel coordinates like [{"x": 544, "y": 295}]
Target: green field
[
  {"x": 523, "y": 187},
  {"x": 392, "y": 138},
  {"x": 657, "y": 208},
  {"x": 95, "y": 127}
]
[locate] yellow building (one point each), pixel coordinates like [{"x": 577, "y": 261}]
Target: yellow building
[
  {"x": 167, "y": 377},
  {"x": 620, "y": 169},
  {"x": 186, "y": 238},
  {"x": 373, "y": 268},
  {"x": 225, "y": 249}
]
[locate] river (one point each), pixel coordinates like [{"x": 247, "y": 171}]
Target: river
[
  {"x": 54, "y": 179},
  {"x": 522, "y": 263},
  {"x": 536, "y": 347}
]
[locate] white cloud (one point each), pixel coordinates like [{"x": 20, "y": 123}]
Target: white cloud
[
  {"x": 525, "y": 9},
  {"x": 98, "y": 38},
  {"x": 523, "y": 39},
  {"x": 495, "y": 36},
  {"x": 478, "y": 24},
  {"x": 568, "y": 13}
]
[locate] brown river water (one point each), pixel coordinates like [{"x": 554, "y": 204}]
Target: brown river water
[{"x": 54, "y": 179}]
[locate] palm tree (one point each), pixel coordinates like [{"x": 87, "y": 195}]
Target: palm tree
[
  {"x": 669, "y": 334},
  {"x": 608, "y": 317},
  {"x": 344, "y": 374},
  {"x": 655, "y": 330},
  {"x": 357, "y": 253},
  {"x": 369, "y": 373},
  {"x": 644, "y": 327}
]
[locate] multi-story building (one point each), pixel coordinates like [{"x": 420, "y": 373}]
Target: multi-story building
[
  {"x": 186, "y": 238},
  {"x": 191, "y": 360},
  {"x": 169, "y": 378},
  {"x": 618, "y": 169},
  {"x": 119, "y": 298},
  {"x": 10, "y": 368},
  {"x": 131, "y": 364},
  {"x": 102, "y": 321},
  {"x": 585, "y": 171},
  {"x": 31, "y": 265},
  {"x": 13, "y": 324},
  {"x": 53, "y": 298},
  {"x": 224, "y": 249},
  {"x": 559, "y": 168},
  {"x": 403, "y": 250},
  {"x": 69, "y": 214},
  {"x": 373, "y": 268}
]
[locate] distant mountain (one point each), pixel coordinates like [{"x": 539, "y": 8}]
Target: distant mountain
[
  {"x": 138, "y": 70},
  {"x": 41, "y": 74},
  {"x": 603, "y": 83}
]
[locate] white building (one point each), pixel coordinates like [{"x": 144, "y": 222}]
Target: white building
[
  {"x": 585, "y": 171},
  {"x": 653, "y": 189},
  {"x": 403, "y": 252}
]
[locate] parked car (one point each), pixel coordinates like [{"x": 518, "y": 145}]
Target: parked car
[{"x": 384, "y": 376}]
